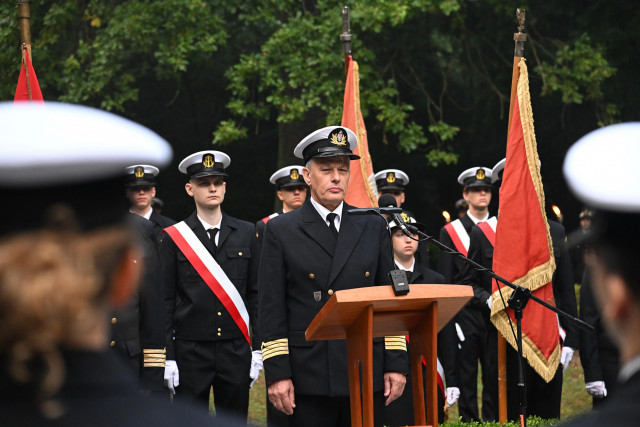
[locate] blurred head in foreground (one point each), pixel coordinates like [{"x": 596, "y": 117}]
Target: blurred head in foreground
[
  {"x": 65, "y": 252},
  {"x": 614, "y": 232}
]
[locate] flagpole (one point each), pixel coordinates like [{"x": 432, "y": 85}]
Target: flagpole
[
  {"x": 24, "y": 15},
  {"x": 518, "y": 53},
  {"x": 345, "y": 37}
]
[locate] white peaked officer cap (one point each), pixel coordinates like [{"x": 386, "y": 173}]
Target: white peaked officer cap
[
  {"x": 391, "y": 179},
  {"x": 478, "y": 176},
  {"x": 288, "y": 176},
  {"x": 496, "y": 172},
  {"x": 601, "y": 168},
  {"x": 72, "y": 157},
  {"x": 205, "y": 163},
  {"x": 330, "y": 141},
  {"x": 56, "y": 143}
]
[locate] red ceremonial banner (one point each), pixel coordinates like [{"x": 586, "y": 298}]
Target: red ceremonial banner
[
  {"x": 362, "y": 191},
  {"x": 523, "y": 251},
  {"x": 28, "y": 88}
]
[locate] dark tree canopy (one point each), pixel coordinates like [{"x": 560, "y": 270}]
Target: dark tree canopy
[{"x": 255, "y": 75}]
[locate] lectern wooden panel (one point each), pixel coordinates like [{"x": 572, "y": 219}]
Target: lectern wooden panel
[{"x": 360, "y": 314}]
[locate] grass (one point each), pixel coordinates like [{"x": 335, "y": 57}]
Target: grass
[{"x": 575, "y": 399}]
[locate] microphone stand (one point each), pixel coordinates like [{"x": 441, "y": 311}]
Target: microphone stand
[{"x": 518, "y": 301}]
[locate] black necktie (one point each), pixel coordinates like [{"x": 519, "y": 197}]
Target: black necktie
[
  {"x": 332, "y": 225},
  {"x": 212, "y": 237}
]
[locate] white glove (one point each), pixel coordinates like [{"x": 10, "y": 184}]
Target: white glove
[
  {"x": 596, "y": 389},
  {"x": 565, "y": 358},
  {"x": 256, "y": 366},
  {"x": 171, "y": 375},
  {"x": 490, "y": 302},
  {"x": 459, "y": 332},
  {"x": 453, "y": 393}
]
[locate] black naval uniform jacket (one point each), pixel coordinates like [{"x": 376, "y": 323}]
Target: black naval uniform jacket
[
  {"x": 450, "y": 266},
  {"x": 302, "y": 265},
  {"x": 160, "y": 222},
  {"x": 97, "y": 391},
  {"x": 192, "y": 309},
  {"x": 137, "y": 330}
]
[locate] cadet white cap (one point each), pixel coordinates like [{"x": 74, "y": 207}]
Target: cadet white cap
[
  {"x": 329, "y": 141},
  {"x": 205, "y": 163},
  {"x": 141, "y": 175},
  {"x": 478, "y": 176},
  {"x": 53, "y": 143},
  {"x": 288, "y": 176},
  {"x": 601, "y": 168},
  {"x": 391, "y": 179}
]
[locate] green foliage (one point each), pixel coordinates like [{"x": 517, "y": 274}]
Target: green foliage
[{"x": 577, "y": 72}]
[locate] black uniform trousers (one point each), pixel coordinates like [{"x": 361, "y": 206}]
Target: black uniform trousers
[
  {"x": 217, "y": 364},
  {"x": 400, "y": 411}
]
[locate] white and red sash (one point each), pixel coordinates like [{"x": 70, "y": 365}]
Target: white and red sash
[
  {"x": 488, "y": 227},
  {"x": 212, "y": 274},
  {"x": 267, "y": 218},
  {"x": 459, "y": 236}
]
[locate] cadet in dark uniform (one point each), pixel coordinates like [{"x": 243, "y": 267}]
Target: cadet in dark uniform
[
  {"x": 400, "y": 412},
  {"x": 291, "y": 190},
  {"x": 138, "y": 329},
  {"x": 210, "y": 264},
  {"x": 476, "y": 191},
  {"x": 394, "y": 181},
  {"x": 613, "y": 256},
  {"x": 461, "y": 208},
  {"x": 481, "y": 244},
  {"x": 64, "y": 265},
  {"x": 308, "y": 254},
  {"x": 141, "y": 189},
  {"x": 599, "y": 356}
]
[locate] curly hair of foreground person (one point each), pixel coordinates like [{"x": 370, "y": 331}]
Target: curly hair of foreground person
[{"x": 55, "y": 291}]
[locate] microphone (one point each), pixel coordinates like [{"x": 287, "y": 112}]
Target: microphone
[
  {"x": 390, "y": 201},
  {"x": 387, "y": 203}
]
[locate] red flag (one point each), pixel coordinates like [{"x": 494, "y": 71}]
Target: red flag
[
  {"x": 28, "y": 88},
  {"x": 362, "y": 191},
  {"x": 523, "y": 251}
]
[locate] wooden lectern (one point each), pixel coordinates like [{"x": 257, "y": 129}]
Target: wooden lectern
[{"x": 360, "y": 314}]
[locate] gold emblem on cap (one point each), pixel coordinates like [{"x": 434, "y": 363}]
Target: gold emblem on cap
[
  {"x": 139, "y": 172},
  {"x": 338, "y": 138},
  {"x": 294, "y": 174},
  {"x": 391, "y": 177},
  {"x": 207, "y": 161},
  {"x": 480, "y": 174},
  {"x": 405, "y": 217}
]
